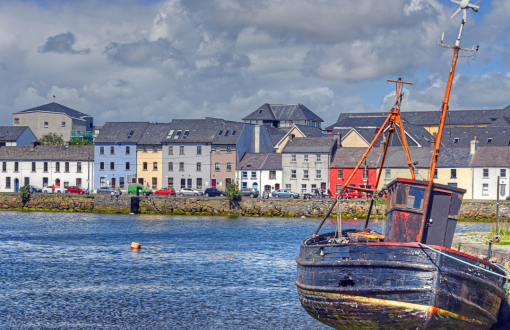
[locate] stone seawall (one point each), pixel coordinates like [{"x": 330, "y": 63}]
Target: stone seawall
[{"x": 470, "y": 211}]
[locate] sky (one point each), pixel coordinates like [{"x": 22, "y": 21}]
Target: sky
[{"x": 149, "y": 60}]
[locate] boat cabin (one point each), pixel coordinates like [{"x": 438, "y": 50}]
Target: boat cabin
[{"x": 404, "y": 213}]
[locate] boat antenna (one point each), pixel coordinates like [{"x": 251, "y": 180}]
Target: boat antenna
[{"x": 464, "y": 5}]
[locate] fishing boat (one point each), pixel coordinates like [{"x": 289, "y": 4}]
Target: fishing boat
[{"x": 407, "y": 277}]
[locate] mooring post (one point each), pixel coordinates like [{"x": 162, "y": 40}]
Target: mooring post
[
  {"x": 489, "y": 252},
  {"x": 497, "y": 210}
]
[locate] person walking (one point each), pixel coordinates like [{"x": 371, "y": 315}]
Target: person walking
[
  {"x": 117, "y": 195},
  {"x": 111, "y": 195},
  {"x": 317, "y": 192},
  {"x": 53, "y": 189}
]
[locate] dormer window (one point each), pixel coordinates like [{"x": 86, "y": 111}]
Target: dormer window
[
  {"x": 456, "y": 140},
  {"x": 169, "y": 136},
  {"x": 185, "y": 135},
  {"x": 489, "y": 140},
  {"x": 130, "y": 134},
  {"x": 177, "y": 135}
]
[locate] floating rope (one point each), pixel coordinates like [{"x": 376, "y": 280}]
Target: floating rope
[{"x": 462, "y": 261}]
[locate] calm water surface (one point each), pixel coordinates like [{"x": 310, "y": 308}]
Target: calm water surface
[{"x": 77, "y": 271}]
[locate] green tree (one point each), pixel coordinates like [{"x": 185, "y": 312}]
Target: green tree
[
  {"x": 80, "y": 142},
  {"x": 232, "y": 192},
  {"x": 52, "y": 139},
  {"x": 24, "y": 194}
]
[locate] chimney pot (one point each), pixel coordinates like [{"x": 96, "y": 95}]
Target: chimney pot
[
  {"x": 338, "y": 138},
  {"x": 383, "y": 144},
  {"x": 433, "y": 145}
]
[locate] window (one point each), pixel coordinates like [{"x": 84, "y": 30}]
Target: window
[
  {"x": 128, "y": 150},
  {"x": 199, "y": 183},
  {"x": 303, "y": 188},
  {"x": 435, "y": 173},
  {"x": 217, "y": 148},
  {"x": 387, "y": 174},
  {"x": 33, "y": 166},
  {"x": 128, "y": 166},
  {"x": 78, "y": 182},
  {"x": 102, "y": 181},
  {"x": 27, "y": 181},
  {"x": 485, "y": 189},
  {"x": 216, "y": 166},
  {"x": 185, "y": 134},
  {"x": 171, "y": 182},
  {"x": 66, "y": 167},
  {"x": 44, "y": 182},
  {"x": 4, "y": 166},
  {"x": 453, "y": 173},
  {"x": 221, "y": 132},
  {"x": 112, "y": 166},
  {"x": 170, "y": 166},
  {"x": 233, "y": 132},
  {"x": 16, "y": 167},
  {"x": 365, "y": 174},
  {"x": 253, "y": 175},
  {"x": 63, "y": 124},
  {"x": 78, "y": 167},
  {"x": 144, "y": 166},
  {"x": 101, "y": 150},
  {"x": 121, "y": 182},
  {"x": 8, "y": 182},
  {"x": 229, "y": 166},
  {"x": 305, "y": 158},
  {"x": 415, "y": 197},
  {"x": 144, "y": 149},
  {"x": 305, "y": 174},
  {"x": 177, "y": 135},
  {"x": 288, "y": 186},
  {"x": 101, "y": 166},
  {"x": 293, "y": 158},
  {"x": 45, "y": 124},
  {"x": 340, "y": 174},
  {"x": 112, "y": 150},
  {"x": 181, "y": 150},
  {"x": 502, "y": 173},
  {"x": 456, "y": 140},
  {"x": 260, "y": 111},
  {"x": 245, "y": 175},
  {"x": 318, "y": 159},
  {"x": 16, "y": 120},
  {"x": 489, "y": 140},
  {"x": 181, "y": 166},
  {"x": 452, "y": 184},
  {"x": 130, "y": 134},
  {"x": 292, "y": 174},
  {"x": 272, "y": 174},
  {"x": 338, "y": 188},
  {"x": 154, "y": 149},
  {"x": 170, "y": 150},
  {"x": 66, "y": 184},
  {"x": 170, "y": 133},
  {"x": 199, "y": 166},
  {"x": 502, "y": 190},
  {"x": 199, "y": 150},
  {"x": 318, "y": 174},
  {"x": 485, "y": 172},
  {"x": 154, "y": 183},
  {"x": 155, "y": 166},
  {"x": 229, "y": 149}
]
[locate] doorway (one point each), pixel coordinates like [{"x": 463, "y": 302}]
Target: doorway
[
  {"x": 16, "y": 185},
  {"x": 57, "y": 182},
  {"x": 277, "y": 186},
  {"x": 213, "y": 184},
  {"x": 323, "y": 185},
  {"x": 114, "y": 182},
  {"x": 140, "y": 181},
  {"x": 267, "y": 188}
]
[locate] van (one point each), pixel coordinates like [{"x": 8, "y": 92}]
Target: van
[{"x": 144, "y": 190}]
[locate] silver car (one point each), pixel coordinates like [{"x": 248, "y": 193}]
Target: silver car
[
  {"x": 105, "y": 190},
  {"x": 49, "y": 190},
  {"x": 190, "y": 192}
]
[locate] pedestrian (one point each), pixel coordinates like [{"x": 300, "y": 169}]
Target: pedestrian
[
  {"x": 53, "y": 189},
  {"x": 117, "y": 195},
  {"x": 87, "y": 191},
  {"x": 317, "y": 192},
  {"x": 322, "y": 193},
  {"x": 111, "y": 195}
]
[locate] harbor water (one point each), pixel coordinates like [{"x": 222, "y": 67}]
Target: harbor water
[{"x": 77, "y": 271}]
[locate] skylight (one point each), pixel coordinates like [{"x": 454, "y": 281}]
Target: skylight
[
  {"x": 130, "y": 134},
  {"x": 248, "y": 165},
  {"x": 417, "y": 137},
  {"x": 233, "y": 132},
  {"x": 169, "y": 136},
  {"x": 177, "y": 135},
  {"x": 456, "y": 140},
  {"x": 226, "y": 133},
  {"x": 489, "y": 140},
  {"x": 260, "y": 111},
  {"x": 185, "y": 134},
  {"x": 220, "y": 132}
]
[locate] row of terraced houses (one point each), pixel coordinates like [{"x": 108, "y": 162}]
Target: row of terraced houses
[{"x": 277, "y": 146}]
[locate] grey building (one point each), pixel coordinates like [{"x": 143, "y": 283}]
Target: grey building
[
  {"x": 306, "y": 163},
  {"x": 56, "y": 118},
  {"x": 283, "y": 115},
  {"x": 16, "y": 136}
]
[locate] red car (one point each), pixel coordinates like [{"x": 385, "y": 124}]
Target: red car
[
  {"x": 349, "y": 193},
  {"x": 165, "y": 191},
  {"x": 75, "y": 190}
]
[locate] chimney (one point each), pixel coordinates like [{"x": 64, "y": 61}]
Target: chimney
[
  {"x": 34, "y": 144},
  {"x": 432, "y": 145},
  {"x": 256, "y": 138},
  {"x": 383, "y": 144},
  {"x": 338, "y": 138},
  {"x": 474, "y": 146}
]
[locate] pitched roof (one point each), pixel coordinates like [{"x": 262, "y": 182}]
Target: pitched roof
[
  {"x": 121, "y": 132},
  {"x": 491, "y": 157},
  {"x": 77, "y": 153},
  {"x": 57, "y": 108},
  {"x": 500, "y": 136},
  {"x": 310, "y": 131},
  {"x": 312, "y": 145},
  {"x": 416, "y": 136},
  {"x": 349, "y": 157},
  {"x": 396, "y": 157},
  {"x": 359, "y": 120},
  {"x": 154, "y": 133},
  {"x": 501, "y": 122},
  {"x": 270, "y": 161},
  {"x": 198, "y": 130},
  {"x": 228, "y": 133},
  {"x": 12, "y": 133},
  {"x": 454, "y": 157},
  {"x": 283, "y": 112}
]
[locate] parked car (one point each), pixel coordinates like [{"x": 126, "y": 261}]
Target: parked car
[
  {"x": 284, "y": 193},
  {"x": 34, "y": 189},
  {"x": 211, "y": 192},
  {"x": 75, "y": 190},
  {"x": 350, "y": 193},
  {"x": 190, "y": 192},
  {"x": 145, "y": 190},
  {"x": 165, "y": 191},
  {"x": 253, "y": 193},
  {"x": 105, "y": 190},
  {"x": 49, "y": 190}
]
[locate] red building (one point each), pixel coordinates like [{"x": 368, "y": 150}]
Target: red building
[{"x": 344, "y": 163}]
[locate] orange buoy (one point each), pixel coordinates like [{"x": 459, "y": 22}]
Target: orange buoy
[{"x": 135, "y": 246}]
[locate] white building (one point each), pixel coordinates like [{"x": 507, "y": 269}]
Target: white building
[
  {"x": 489, "y": 163},
  {"x": 262, "y": 172},
  {"x": 41, "y": 166}
]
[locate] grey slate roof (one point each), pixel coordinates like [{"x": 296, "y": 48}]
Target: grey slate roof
[
  {"x": 154, "y": 133},
  {"x": 454, "y": 157},
  {"x": 275, "y": 134},
  {"x": 200, "y": 130},
  {"x": 57, "y": 108},
  {"x": 53, "y": 153},
  {"x": 501, "y": 122},
  {"x": 226, "y": 129},
  {"x": 311, "y": 145},
  {"x": 396, "y": 157},
  {"x": 271, "y": 161},
  {"x": 310, "y": 131},
  {"x": 12, "y": 133},
  {"x": 491, "y": 157},
  {"x": 283, "y": 112},
  {"x": 359, "y": 120},
  {"x": 500, "y": 136},
  {"x": 414, "y": 133},
  {"x": 349, "y": 157},
  {"x": 118, "y": 132},
  {"x": 276, "y": 138}
]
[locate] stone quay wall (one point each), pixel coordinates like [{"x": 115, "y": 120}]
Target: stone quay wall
[{"x": 470, "y": 210}]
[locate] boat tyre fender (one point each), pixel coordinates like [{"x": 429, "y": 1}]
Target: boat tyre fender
[{"x": 503, "y": 316}]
